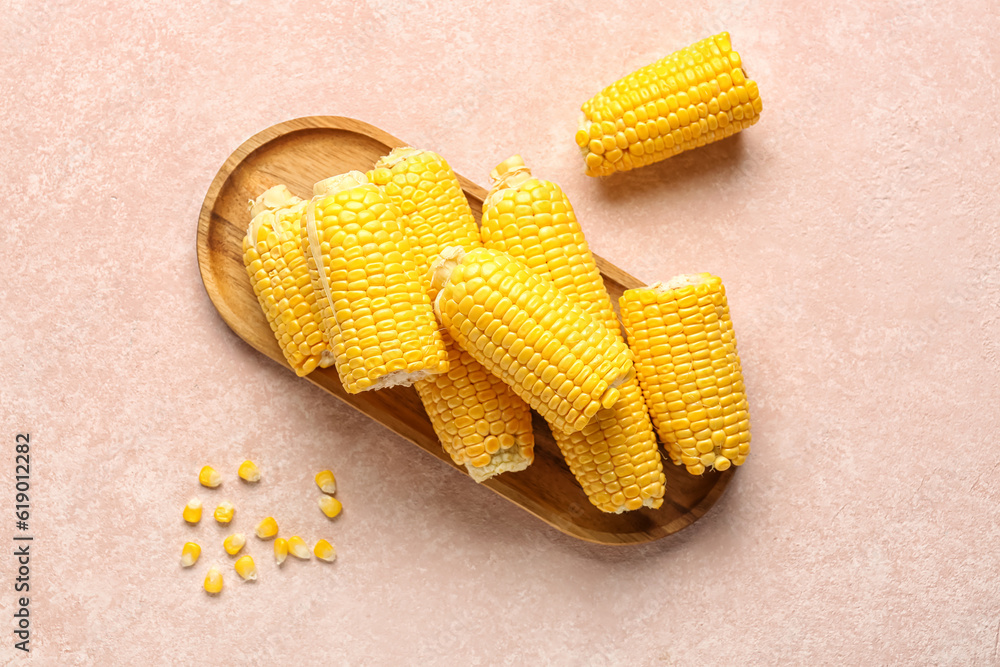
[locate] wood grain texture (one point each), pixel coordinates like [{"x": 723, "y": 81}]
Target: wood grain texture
[{"x": 302, "y": 151}]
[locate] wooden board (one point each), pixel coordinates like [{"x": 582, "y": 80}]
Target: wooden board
[{"x": 300, "y": 152}]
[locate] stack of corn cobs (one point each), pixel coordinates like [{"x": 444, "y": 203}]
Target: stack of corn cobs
[{"x": 387, "y": 276}]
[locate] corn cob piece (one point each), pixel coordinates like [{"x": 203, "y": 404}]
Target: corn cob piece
[
  {"x": 523, "y": 329},
  {"x": 691, "y": 98},
  {"x": 479, "y": 420},
  {"x": 378, "y": 318},
  {"x": 272, "y": 254},
  {"x": 615, "y": 457},
  {"x": 686, "y": 361}
]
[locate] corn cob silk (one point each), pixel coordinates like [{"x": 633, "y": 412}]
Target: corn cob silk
[
  {"x": 614, "y": 457},
  {"x": 480, "y": 421}
]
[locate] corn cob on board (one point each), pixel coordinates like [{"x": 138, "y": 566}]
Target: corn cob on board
[{"x": 303, "y": 151}]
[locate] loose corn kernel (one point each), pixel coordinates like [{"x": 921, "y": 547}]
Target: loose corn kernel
[
  {"x": 297, "y": 547},
  {"x": 331, "y": 506},
  {"x": 325, "y": 551},
  {"x": 267, "y": 528},
  {"x": 248, "y": 471},
  {"x": 190, "y": 554},
  {"x": 280, "y": 550},
  {"x": 246, "y": 568},
  {"x": 326, "y": 482},
  {"x": 233, "y": 543},
  {"x": 213, "y": 580},
  {"x": 192, "y": 511},
  {"x": 209, "y": 477},
  {"x": 224, "y": 512}
]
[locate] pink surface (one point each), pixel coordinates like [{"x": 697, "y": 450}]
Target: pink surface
[{"x": 854, "y": 226}]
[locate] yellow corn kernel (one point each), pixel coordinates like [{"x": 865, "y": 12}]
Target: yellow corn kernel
[
  {"x": 224, "y": 512},
  {"x": 233, "y": 543},
  {"x": 209, "y": 477},
  {"x": 213, "y": 580},
  {"x": 190, "y": 554},
  {"x": 267, "y": 528},
  {"x": 331, "y": 506},
  {"x": 691, "y": 98},
  {"x": 297, "y": 547},
  {"x": 192, "y": 511},
  {"x": 326, "y": 482},
  {"x": 248, "y": 471},
  {"x": 280, "y": 550},
  {"x": 325, "y": 551},
  {"x": 246, "y": 568}
]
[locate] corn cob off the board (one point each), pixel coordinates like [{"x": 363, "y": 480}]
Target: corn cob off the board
[
  {"x": 693, "y": 97},
  {"x": 379, "y": 319},
  {"x": 480, "y": 421},
  {"x": 272, "y": 254},
  {"x": 523, "y": 329},
  {"x": 686, "y": 360},
  {"x": 615, "y": 457}
]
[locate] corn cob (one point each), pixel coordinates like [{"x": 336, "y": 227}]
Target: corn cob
[
  {"x": 378, "y": 318},
  {"x": 693, "y": 97},
  {"x": 686, "y": 361},
  {"x": 615, "y": 457},
  {"x": 272, "y": 254},
  {"x": 479, "y": 420},
  {"x": 522, "y": 328}
]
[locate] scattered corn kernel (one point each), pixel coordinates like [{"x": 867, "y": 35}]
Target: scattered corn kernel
[
  {"x": 249, "y": 472},
  {"x": 267, "y": 528},
  {"x": 245, "y": 568},
  {"x": 325, "y": 551},
  {"x": 280, "y": 550},
  {"x": 209, "y": 477},
  {"x": 190, "y": 554},
  {"x": 326, "y": 482},
  {"x": 192, "y": 511},
  {"x": 224, "y": 512},
  {"x": 234, "y": 543},
  {"x": 213, "y": 580},
  {"x": 331, "y": 506},
  {"x": 297, "y": 547}
]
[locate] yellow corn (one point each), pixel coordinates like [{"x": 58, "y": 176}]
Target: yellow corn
[
  {"x": 383, "y": 328},
  {"x": 190, "y": 554},
  {"x": 522, "y": 328},
  {"x": 280, "y": 550},
  {"x": 233, "y": 543},
  {"x": 192, "y": 511},
  {"x": 687, "y": 364},
  {"x": 274, "y": 260},
  {"x": 331, "y": 506},
  {"x": 479, "y": 420},
  {"x": 325, "y": 551},
  {"x": 246, "y": 568},
  {"x": 224, "y": 512},
  {"x": 326, "y": 482},
  {"x": 693, "y": 97},
  {"x": 213, "y": 580},
  {"x": 267, "y": 528},
  {"x": 208, "y": 476},
  {"x": 297, "y": 547},
  {"x": 248, "y": 472},
  {"x": 615, "y": 457}
]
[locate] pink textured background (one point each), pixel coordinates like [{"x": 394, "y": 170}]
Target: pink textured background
[{"x": 855, "y": 227}]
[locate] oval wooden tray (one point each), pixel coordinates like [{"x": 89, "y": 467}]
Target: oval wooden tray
[{"x": 302, "y": 151}]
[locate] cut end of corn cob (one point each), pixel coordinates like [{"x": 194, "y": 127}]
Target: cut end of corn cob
[
  {"x": 213, "y": 580},
  {"x": 209, "y": 477},
  {"x": 246, "y": 568},
  {"x": 339, "y": 183},
  {"x": 517, "y": 457},
  {"x": 224, "y": 512},
  {"x": 271, "y": 199},
  {"x": 234, "y": 543},
  {"x": 280, "y": 550},
  {"x": 331, "y": 506},
  {"x": 249, "y": 472},
  {"x": 192, "y": 511},
  {"x": 326, "y": 482},
  {"x": 691, "y": 98},
  {"x": 509, "y": 174},
  {"x": 190, "y": 554},
  {"x": 397, "y": 155},
  {"x": 267, "y": 528},
  {"x": 297, "y": 547},
  {"x": 325, "y": 551}
]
